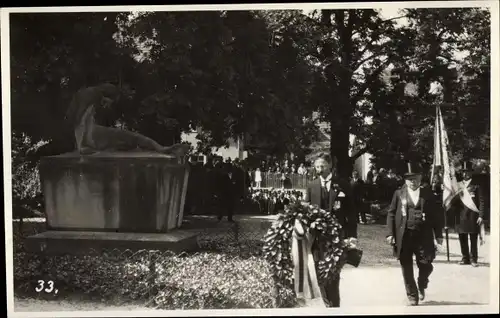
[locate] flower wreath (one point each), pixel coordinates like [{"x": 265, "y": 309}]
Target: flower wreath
[{"x": 324, "y": 226}]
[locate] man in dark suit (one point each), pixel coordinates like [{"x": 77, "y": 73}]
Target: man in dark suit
[
  {"x": 222, "y": 191},
  {"x": 332, "y": 194},
  {"x": 237, "y": 175},
  {"x": 413, "y": 219},
  {"x": 233, "y": 193},
  {"x": 469, "y": 209},
  {"x": 358, "y": 191}
]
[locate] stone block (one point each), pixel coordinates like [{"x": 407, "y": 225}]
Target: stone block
[
  {"x": 123, "y": 192},
  {"x": 85, "y": 242}
]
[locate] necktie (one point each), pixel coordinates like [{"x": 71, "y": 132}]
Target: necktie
[{"x": 325, "y": 189}]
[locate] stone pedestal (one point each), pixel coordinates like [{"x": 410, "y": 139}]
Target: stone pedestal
[
  {"x": 114, "y": 192},
  {"x": 85, "y": 242},
  {"x": 123, "y": 192}
]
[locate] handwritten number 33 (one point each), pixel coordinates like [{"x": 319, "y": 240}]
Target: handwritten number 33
[{"x": 41, "y": 284}]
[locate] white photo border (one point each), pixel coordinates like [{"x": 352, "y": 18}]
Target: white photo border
[{"x": 493, "y": 306}]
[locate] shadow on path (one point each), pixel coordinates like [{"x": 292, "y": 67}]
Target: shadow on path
[
  {"x": 452, "y": 255},
  {"x": 449, "y": 303},
  {"x": 455, "y": 262}
]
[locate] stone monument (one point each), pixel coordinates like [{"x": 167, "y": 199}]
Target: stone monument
[{"x": 119, "y": 189}]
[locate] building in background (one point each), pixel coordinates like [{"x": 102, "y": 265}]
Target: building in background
[
  {"x": 235, "y": 150},
  {"x": 362, "y": 164}
]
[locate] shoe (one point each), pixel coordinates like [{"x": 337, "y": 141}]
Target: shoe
[
  {"x": 413, "y": 301},
  {"x": 474, "y": 264},
  {"x": 421, "y": 294},
  {"x": 464, "y": 262}
]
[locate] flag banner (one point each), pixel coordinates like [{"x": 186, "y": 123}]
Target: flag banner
[{"x": 442, "y": 159}]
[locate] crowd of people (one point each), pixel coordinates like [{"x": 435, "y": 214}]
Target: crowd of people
[
  {"x": 273, "y": 201},
  {"x": 219, "y": 186},
  {"x": 216, "y": 186},
  {"x": 283, "y": 174},
  {"x": 379, "y": 184}
]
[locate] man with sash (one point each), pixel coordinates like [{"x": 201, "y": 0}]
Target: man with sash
[
  {"x": 332, "y": 194},
  {"x": 413, "y": 220},
  {"x": 469, "y": 209}
]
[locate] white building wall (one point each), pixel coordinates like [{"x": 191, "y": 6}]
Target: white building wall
[
  {"x": 235, "y": 149},
  {"x": 362, "y": 164}
]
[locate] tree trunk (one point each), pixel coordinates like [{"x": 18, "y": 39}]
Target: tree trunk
[
  {"x": 339, "y": 149},
  {"x": 339, "y": 125}
]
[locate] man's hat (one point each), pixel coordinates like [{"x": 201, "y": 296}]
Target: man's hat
[
  {"x": 467, "y": 166},
  {"x": 413, "y": 169}
]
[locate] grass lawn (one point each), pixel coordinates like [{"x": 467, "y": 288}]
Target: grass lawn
[{"x": 376, "y": 252}]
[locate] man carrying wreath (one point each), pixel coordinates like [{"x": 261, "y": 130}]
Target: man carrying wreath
[
  {"x": 333, "y": 195},
  {"x": 413, "y": 220}
]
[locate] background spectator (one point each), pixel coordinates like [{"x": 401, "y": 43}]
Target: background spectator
[
  {"x": 302, "y": 169},
  {"x": 358, "y": 189},
  {"x": 258, "y": 178}
]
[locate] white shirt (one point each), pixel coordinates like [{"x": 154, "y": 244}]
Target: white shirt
[
  {"x": 466, "y": 183},
  {"x": 326, "y": 182},
  {"x": 414, "y": 195},
  {"x": 258, "y": 176}
]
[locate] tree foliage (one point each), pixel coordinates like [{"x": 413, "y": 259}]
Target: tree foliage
[
  {"x": 259, "y": 75},
  {"x": 52, "y": 56},
  {"x": 350, "y": 49},
  {"x": 431, "y": 74},
  {"x": 374, "y": 68},
  {"x": 225, "y": 73}
]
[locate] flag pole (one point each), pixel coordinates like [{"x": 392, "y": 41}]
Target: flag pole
[{"x": 446, "y": 230}]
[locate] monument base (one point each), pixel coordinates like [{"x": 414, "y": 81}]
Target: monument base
[
  {"x": 110, "y": 191},
  {"x": 83, "y": 242}
]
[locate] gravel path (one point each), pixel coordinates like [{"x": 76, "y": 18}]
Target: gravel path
[{"x": 450, "y": 284}]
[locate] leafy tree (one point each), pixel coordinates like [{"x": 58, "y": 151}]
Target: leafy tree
[
  {"x": 226, "y": 73},
  {"x": 461, "y": 85},
  {"x": 221, "y": 71},
  {"x": 371, "y": 68},
  {"x": 473, "y": 91},
  {"x": 351, "y": 49},
  {"x": 52, "y": 56}
]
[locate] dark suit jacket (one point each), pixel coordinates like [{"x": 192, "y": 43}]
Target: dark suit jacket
[
  {"x": 432, "y": 226},
  {"x": 358, "y": 190},
  {"x": 466, "y": 219},
  {"x": 220, "y": 184},
  {"x": 346, "y": 214}
]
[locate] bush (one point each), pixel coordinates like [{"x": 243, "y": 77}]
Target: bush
[
  {"x": 208, "y": 280},
  {"x": 190, "y": 281},
  {"x": 228, "y": 272},
  {"x": 26, "y": 191}
]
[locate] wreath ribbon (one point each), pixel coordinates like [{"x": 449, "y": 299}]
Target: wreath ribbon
[{"x": 305, "y": 277}]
